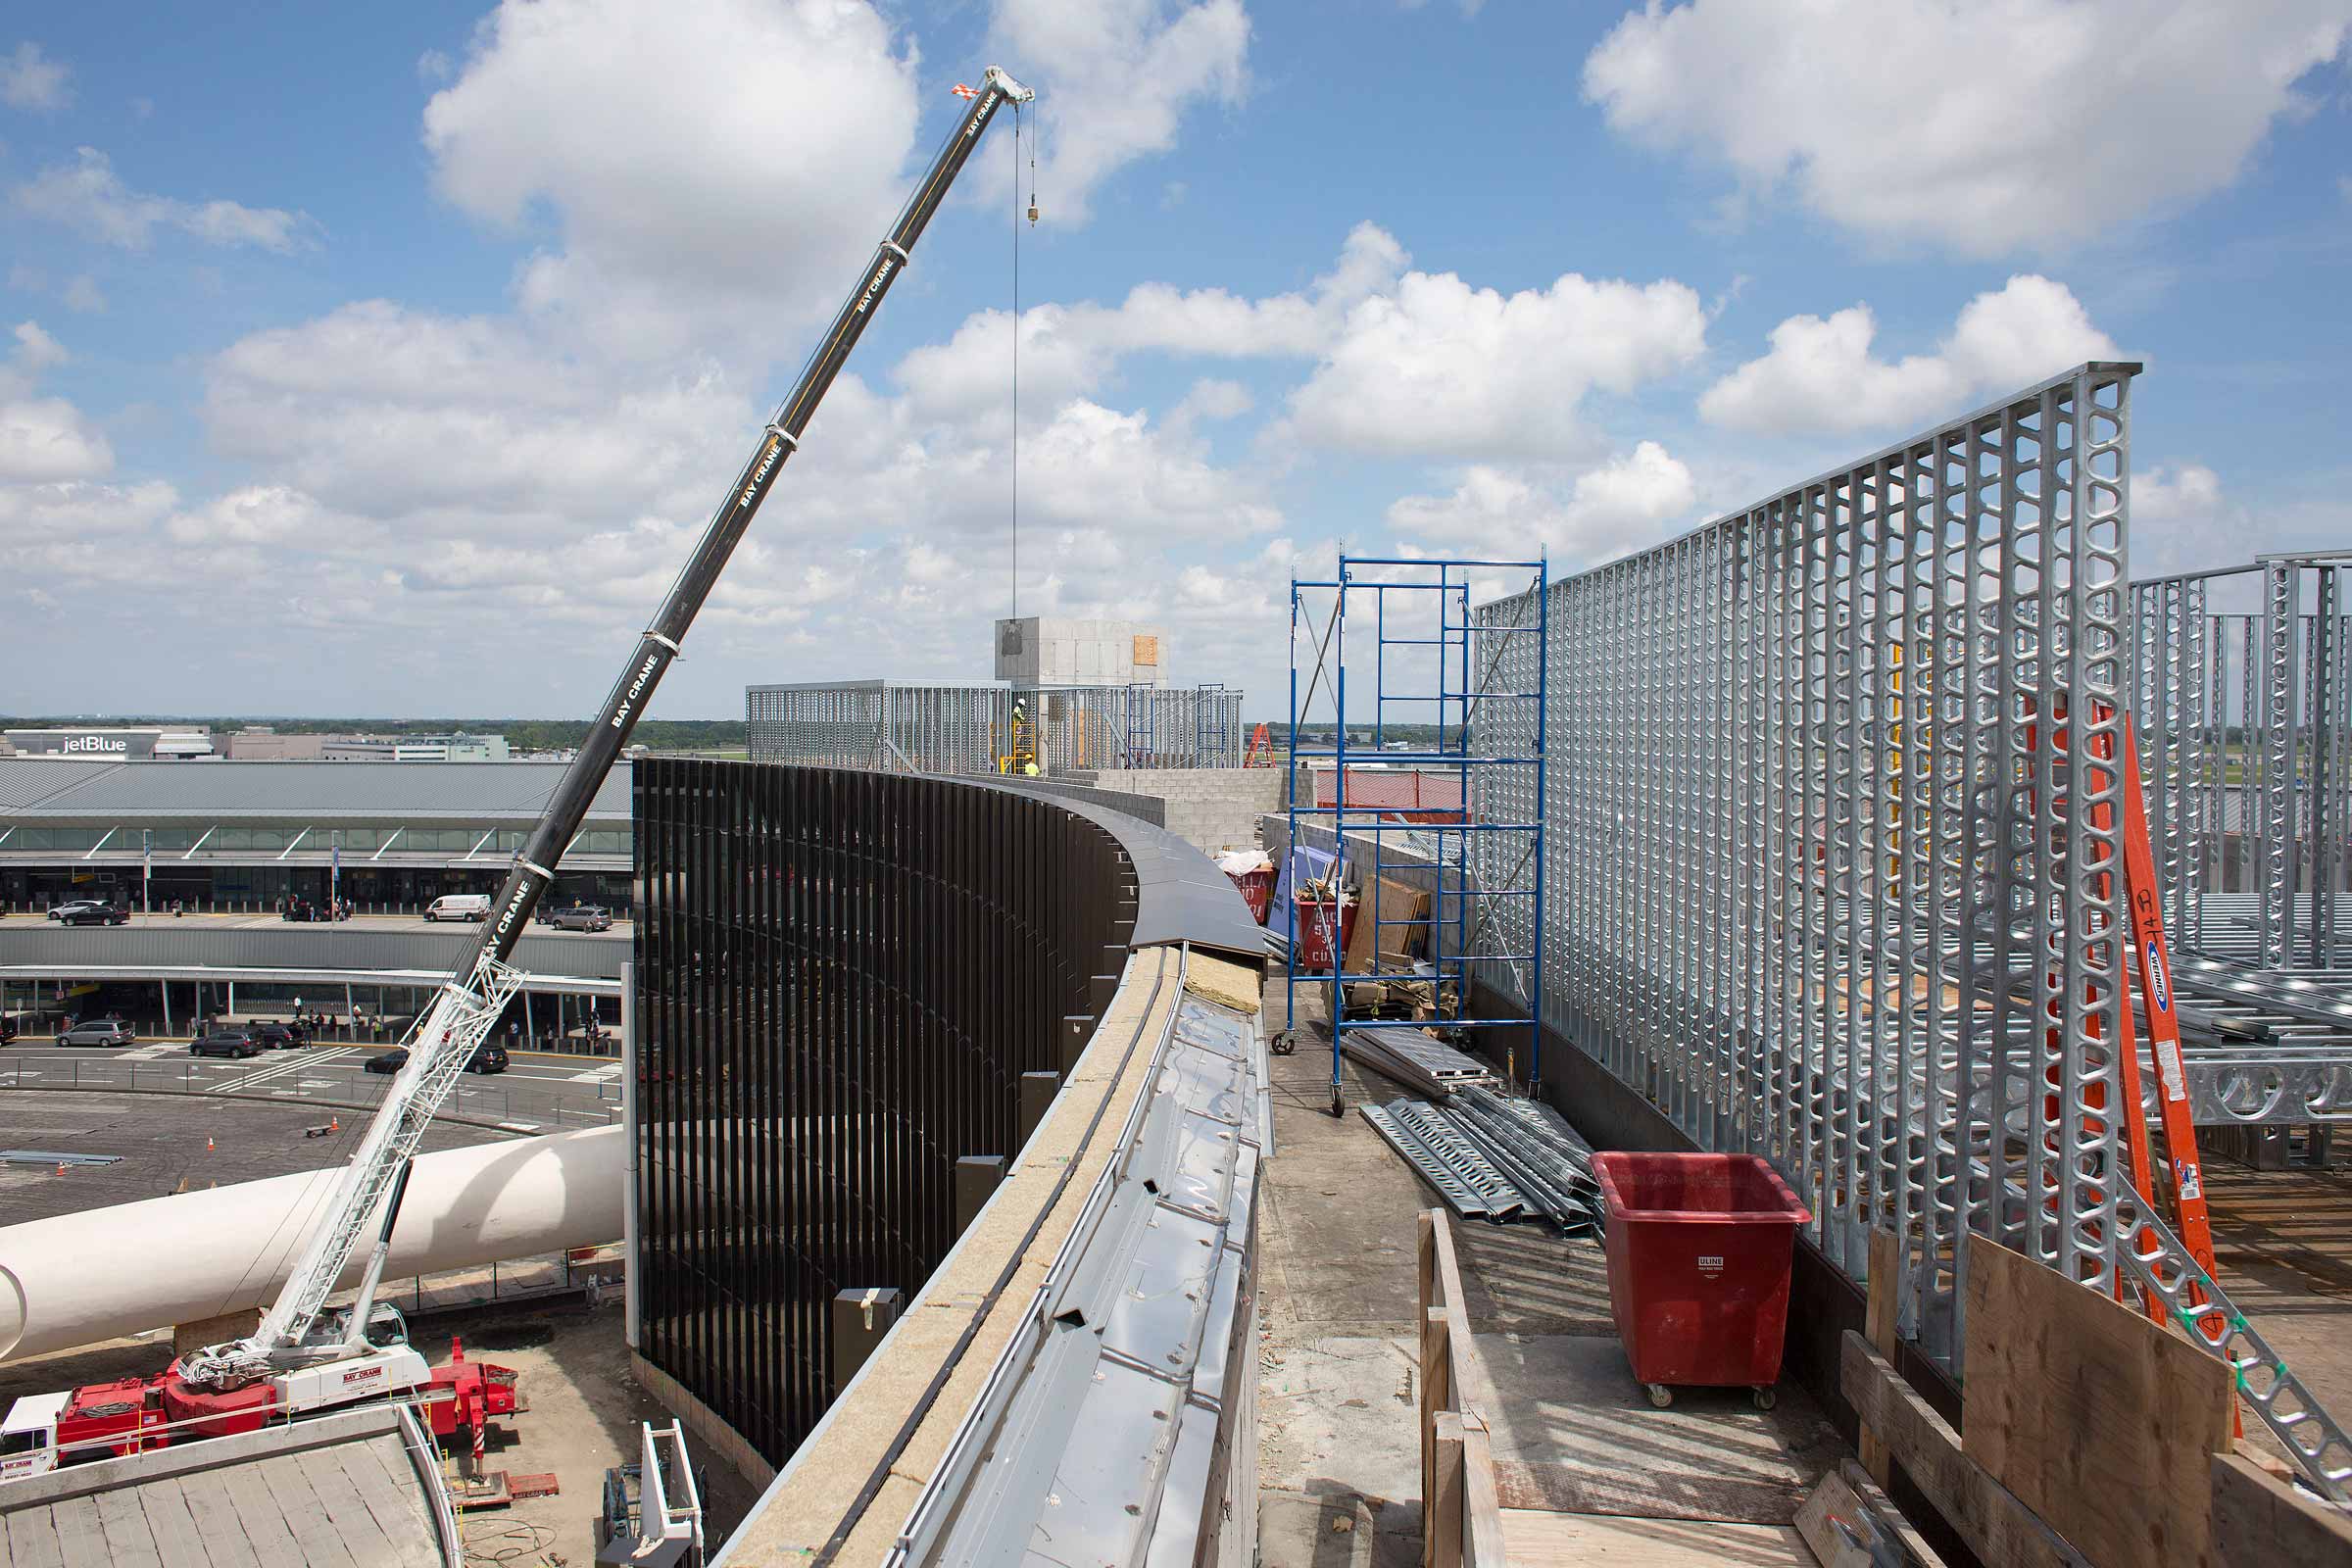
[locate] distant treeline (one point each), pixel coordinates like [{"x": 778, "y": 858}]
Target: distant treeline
[{"x": 523, "y": 734}]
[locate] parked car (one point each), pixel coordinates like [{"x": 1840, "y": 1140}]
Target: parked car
[
  {"x": 459, "y": 906},
  {"x": 226, "y": 1042},
  {"x": 580, "y": 917},
  {"x": 488, "y": 1058},
  {"x": 89, "y": 911},
  {"x": 99, "y": 1032},
  {"x": 277, "y": 1036}
]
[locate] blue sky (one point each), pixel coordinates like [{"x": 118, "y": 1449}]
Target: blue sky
[{"x": 386, "y": 361}]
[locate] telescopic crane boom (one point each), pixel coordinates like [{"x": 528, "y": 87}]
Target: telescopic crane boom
[{"x": 471, "y": 1000}]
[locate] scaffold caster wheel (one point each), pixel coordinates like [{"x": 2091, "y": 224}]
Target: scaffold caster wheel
[
  {"x": 1660, "y": 1395},
  {"x": 1766, "y": 1398},
  {"x": 1338, "y": 1109}
]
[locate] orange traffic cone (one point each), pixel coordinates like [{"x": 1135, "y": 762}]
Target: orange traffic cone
[
  {"x": 61, "y": 1167},
  {"x": 208, "y": 1143},
  {"x": 334, "y": 1125}
]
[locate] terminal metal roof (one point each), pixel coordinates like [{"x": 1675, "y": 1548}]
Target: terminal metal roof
[{"x": 55, "y": 789}]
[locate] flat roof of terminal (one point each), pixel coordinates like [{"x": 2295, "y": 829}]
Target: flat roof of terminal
[{"x": 60, "y": 788}]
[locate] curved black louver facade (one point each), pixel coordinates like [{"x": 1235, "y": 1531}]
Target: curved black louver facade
[{"x": 841, "y": 977}]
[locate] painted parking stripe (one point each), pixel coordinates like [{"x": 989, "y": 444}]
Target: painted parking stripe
[{"x": 303, "y": 1061}]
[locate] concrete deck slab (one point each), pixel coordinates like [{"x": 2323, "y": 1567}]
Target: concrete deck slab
[{"x": 1590, "y": 1471}]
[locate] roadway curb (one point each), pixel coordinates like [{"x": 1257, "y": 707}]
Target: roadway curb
[{"x": 264, "y": 1100}]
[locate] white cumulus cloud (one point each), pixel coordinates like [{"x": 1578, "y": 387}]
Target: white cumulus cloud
[
  {"x": 28, "y": 79},
  {"x": 88, "y": 197},
  {"x": 1596, "y": 516},
  {"x": 1822, "y": 374},
  {"x": 44, "y": 440},
  {"x": 697, "y": 159},
  {"x": 1985, "y": 126},
  {"x": 1115, "y": 78},
  {"x": 1441, "y": 368}
]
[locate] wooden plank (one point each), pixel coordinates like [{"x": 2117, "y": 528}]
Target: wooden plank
[
  {"x": 1984, "y": 1513},
  {"x": 345, "y": 1511},
  {"x": 80, "y": 1539},
  {"x": 130, "y": 1544},
  {"x": 1909, "y": 1545},
  {"x": 1482, "y": 1504},
  {"x": 388, "y": 1484},
  {"x": 2260, "y": 1521},
  {"x": 1835, "y": 1524},
  {"x": 1442, "y": 1516},
  {"x": 1885, "y": 1262},
  {"x": 32, "y": 1540},
  {"x": 266, "y": 1530},
  {"x": 177, "y": 1545},
  {"x": 1848, "y": 1523},
  {"x": 305, "y": 1512},
  {"x": 1437, "y": 1389},
  {"x": 2099, "y": 1420},
  {"x": 1473, "y": 1389},
  {"x": 1369, "y": 945},
  {"x": 218, "y": 1525},
  {"x": 1541, "y": 1539}
]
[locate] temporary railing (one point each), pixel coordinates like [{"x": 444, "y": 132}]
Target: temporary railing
[
  {"x": 1827, "y": 885},
  {"x": 887, "y": 727},
  {"x": 1461, "y": 1502}
]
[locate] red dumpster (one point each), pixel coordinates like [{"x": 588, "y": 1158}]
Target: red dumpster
[
  {"x": 1698, "y": 1249},
  {"x": 1258, "y": 891},
  {"x": 1313, "y": 923}
]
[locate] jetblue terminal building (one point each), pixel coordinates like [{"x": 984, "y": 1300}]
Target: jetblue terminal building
[{"x": 390, "y": 836}]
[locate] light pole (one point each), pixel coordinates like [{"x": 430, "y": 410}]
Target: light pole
[{"x": 147, "y": 871}]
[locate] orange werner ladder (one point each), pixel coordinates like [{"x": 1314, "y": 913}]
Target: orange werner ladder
[{"x": 2151, "y": 971}]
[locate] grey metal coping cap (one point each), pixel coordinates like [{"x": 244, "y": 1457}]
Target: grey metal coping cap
[{"x": 1180, "y": 895}]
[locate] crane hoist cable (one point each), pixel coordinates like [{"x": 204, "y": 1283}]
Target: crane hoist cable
[{"x": 1013, "y": 550}]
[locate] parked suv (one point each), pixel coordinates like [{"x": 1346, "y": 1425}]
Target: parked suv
[
  {"x": 275, "y": 1036},
  {"x": 99, "y": 1032},
  {"x": 579, "y": 917},
  {"x": 87, "y": 911},
  {"x": 226, "y": 1042}
]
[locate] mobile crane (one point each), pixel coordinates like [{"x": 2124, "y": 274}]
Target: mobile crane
[{"x": 302, "y": 1358}]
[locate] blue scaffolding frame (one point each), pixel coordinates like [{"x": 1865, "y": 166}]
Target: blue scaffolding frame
[{"x": 1464, "y": 895}]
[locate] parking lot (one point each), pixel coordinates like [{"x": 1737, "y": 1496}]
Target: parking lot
[{"x": 537, "y": 1093}]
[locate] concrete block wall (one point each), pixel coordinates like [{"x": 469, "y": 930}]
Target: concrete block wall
[{"x": 1211, "y": 808}]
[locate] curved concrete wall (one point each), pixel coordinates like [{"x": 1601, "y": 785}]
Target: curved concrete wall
[{"x": 105, "y": 1272}]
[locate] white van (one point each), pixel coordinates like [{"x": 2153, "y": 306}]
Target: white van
[{"x": 459, "y": 906}]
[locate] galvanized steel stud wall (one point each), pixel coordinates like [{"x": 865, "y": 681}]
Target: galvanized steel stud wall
[
  {"x": 965, "y": 730},
  {"x": 1832, "y": 871}
]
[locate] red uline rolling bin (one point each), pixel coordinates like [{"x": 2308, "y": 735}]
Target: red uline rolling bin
[
  {"x": 1312, "y": 923},
  {"x": 1700, "y": 1247}
]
